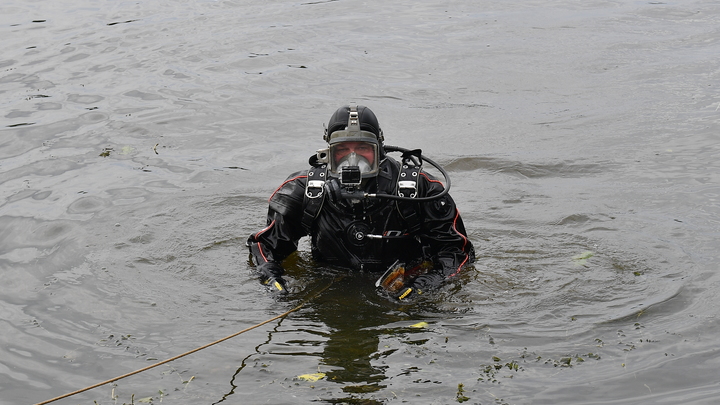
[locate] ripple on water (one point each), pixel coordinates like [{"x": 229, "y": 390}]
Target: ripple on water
[
  {"x": 87, "y": 205},
  {"x": 45, "y": 234},
  {"x": 31, "y": 250},
  {"x": 127, "y": 195},
  {"x": 48, "y": 106},
  {"x": 551, "y": 284},
  {"x": 93, "y": 117},
  {"x": 566, "y": 168},
  {"x": 85, "y": 98}
]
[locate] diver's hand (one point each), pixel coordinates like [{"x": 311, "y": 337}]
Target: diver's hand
[
  {"x": 420, "y": 285},
  {"x": 271, "y": 276},
  {"x": 277, "y": 285}
]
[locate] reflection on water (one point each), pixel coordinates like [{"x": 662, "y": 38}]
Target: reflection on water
[
  {"x": 339, "y": 332},
  {"x": 139, "y": 143}
]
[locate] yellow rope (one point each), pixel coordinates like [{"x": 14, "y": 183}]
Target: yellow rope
[{"x": 186, "y": 353}]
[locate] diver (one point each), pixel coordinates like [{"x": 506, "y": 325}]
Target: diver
[{"x": 366, "y": 211}]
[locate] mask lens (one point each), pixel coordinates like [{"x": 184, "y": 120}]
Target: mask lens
[{"x": 354, "y": 153}]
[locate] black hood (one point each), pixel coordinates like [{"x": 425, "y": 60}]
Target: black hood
[{"x": 367, "y": 118}]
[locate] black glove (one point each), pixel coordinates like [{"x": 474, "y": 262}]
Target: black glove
[
  {"x": 271, "y": 276},
  {"x": 420, "y": 285}
]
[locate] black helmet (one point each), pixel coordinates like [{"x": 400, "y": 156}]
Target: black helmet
[{"x": 368, "y": 121}]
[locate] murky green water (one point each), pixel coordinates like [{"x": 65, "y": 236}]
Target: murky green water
[{"x": 139, "y": 142}]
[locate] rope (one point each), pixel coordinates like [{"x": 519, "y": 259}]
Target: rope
[{"x": 186, "y": 353}]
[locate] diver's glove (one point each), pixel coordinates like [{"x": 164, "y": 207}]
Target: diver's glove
[
  {"x": 420, "y": 285},
  {"x": 271, "y": 276}
]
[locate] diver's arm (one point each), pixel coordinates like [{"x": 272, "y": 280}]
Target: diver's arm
[
  {"x": 271, "y": 245},
  {"x": 443, "y": 233}
]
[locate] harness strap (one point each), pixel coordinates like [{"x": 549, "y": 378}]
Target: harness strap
[
  {"x": 314, "y": 195},
  {"x": 408, "y": 187}
]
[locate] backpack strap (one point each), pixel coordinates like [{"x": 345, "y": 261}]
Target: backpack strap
[
  {"x": 314, "y": 195},
  {"x": 408, "y": 187}
]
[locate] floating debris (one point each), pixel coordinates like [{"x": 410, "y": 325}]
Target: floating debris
[
  {"x": 311, "y": 377},
  {"x": 121, "y": 22},
  {"x": 460, "y": 396},
  {"x": 581, "y": 259}
]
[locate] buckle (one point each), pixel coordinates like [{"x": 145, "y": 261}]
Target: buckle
[
  {"x": 315, "y": 188},
  {"x": 407, "y": 186}
]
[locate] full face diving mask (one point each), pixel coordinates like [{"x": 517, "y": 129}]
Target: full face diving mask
[{"x": 352, "y": 153}]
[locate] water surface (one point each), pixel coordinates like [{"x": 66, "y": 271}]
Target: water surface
[{"x": 139, "y": 142}]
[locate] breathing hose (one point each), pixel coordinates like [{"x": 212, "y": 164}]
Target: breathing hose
[{"x": 446, "y": 189}]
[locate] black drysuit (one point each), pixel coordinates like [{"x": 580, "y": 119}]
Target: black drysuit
[{"x": 348, "y": 234}]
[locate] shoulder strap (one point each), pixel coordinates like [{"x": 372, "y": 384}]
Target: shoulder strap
[
  {"x": 408, "y": 187},
  {"x": 314, "y": 195}
]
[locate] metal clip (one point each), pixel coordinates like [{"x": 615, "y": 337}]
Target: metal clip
[
  {"x": 407, "y": 186},
  {"x": 315, "y": 188}
]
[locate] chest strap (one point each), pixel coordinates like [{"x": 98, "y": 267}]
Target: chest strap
[{"x": 314, "y": 195}]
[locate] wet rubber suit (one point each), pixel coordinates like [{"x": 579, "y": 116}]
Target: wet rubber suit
[{"x": 339, "y": 230}]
